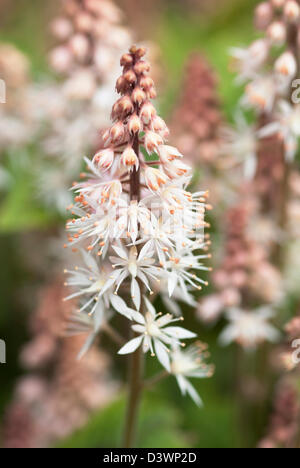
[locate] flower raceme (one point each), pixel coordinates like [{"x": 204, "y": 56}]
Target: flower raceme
[
  {"x": 267, "y": 68},
  {"x": 137, "y": 225}
]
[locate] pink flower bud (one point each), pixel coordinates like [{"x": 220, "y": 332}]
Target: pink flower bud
[
  {"x": 121, "y": 85},
  {"x": 129, "y": 158},
  {"x": 168, "y": 153},
  {"x": 146, "y": 83},
  {"x": 152, "y": 141},
  {"x": 61, "y": 28},
  {"x": 61, "y": 59},
  {"x": 84, "y": 22},
  {"x": 286, "y": 65},
  {"x": 231, "y": 297},
  {"x": 147, "y": 113},
  {"x": 130, "y": 77},
  {"x": 104, "y": 158},
  {"x": 134, "y": 124},
  {"x": 176, "y": 169},
  {"x": 79, "y": 45},
  {"x": 141, "y": 67},
  {"x": 117, "y": 132},
  {"x": 126, "y": 59},
  {"x": 159, "y": 125},
  {"x": 81, "y": 85},
  {"x": 263, "y": 15},
  {"x": 277, "y": 32},
  {"x": 123, "y": 106},
  {"x": 138, "y": 96},
  {"x": 291, "y": 10},
  {"x": 154, "y": 178}
]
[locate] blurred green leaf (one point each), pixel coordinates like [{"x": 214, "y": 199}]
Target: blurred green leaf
[{"x": 158, "y": 428}]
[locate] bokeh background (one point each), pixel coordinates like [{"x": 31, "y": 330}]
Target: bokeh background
[{"x": 31, "y": 260}]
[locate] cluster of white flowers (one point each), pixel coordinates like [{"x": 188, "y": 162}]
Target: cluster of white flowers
[
  {"x": 267, "y": 68},
  {"x": 139, "y": 228},
  {"x": 249, "y": 328},
  {"x": 266, "y": 148}
]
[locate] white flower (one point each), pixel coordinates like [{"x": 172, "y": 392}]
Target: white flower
[
  {"x": 286, "y": 66},
  {"x": 176, "y": 168},
  {"x": 190, "y": 363},
  {"x": 241, "y": 142},
  {"x": 132, "y": 217},
  {"x": 155, "y": 179},
  {"x": 260, "y": 94},
  {"x": 89, "y": 281},
  {"x": 136, "y": 266},
  {"x": 98, "y": 188},
  {"x": 104, "y": 158},
  {"x": 168, "y": 153},
  {"x": 247, "y": 61},
  {"x": 157, "y": 238},
  {"x": 152, "y": 141},
  {"x": 287, "y": 124},
  {"x": 249, "y": 328},
  {"x": 177, "y": 271},
  {"x": 98, "y": 226},
  {"x": 155, "y": 333},
  {"x": 129, "y": 159}
]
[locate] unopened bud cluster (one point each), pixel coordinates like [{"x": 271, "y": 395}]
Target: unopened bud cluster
[
  {"x": 269, "y": 67},
  {"x": 90, "y": 36}
]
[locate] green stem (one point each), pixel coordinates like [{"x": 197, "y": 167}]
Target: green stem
[{"x": 135, "y": 390}]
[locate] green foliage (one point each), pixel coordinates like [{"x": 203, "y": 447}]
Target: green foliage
[
  {"x": 158, "y": 428},
  {"x": 20, "y": 208},
  {"x": 179, "y": 35}
]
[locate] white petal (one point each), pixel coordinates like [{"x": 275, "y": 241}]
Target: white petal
[
  {"x": 179, "y": 332},
  {"x": 121, "y": 252},
  {"x": 136, "y": 293},
  {"x": 150, "y": 307},
  {"x": 90, "y": 261},
  {"x": 193, "y": 393},
  {"x": 120, "y": 305},
  {"x": 172, "y": 283},
  {"x": 137, "y": 316},
  {"x": 171, "y": 305},
  {"x": 86, "y": 346},
  {"x": 98, "y": 315},
  {"x": 144, "y": 251},
  {"x": 228, "y": 335},
  {"x": 138, "y": 328},
  {"x": 162, "y": 354},
  {"x": 131, "y": 346}
]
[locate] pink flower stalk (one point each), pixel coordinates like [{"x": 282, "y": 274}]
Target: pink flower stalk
[
  {"x": 197, "y": 118},
  {"x": 144, "y": 229},
  {"x": 268, "y": 71},
  {"x": 245, "y": 274},
  {"x": 90, "y": 35},
  {"x": 283, "y": 430},
  {"x": 267, "y": 148}
]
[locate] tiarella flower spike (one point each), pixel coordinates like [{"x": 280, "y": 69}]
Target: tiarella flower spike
[
  {"x": 269, "y": 66},
  {"x": 140, "y": 229}
]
